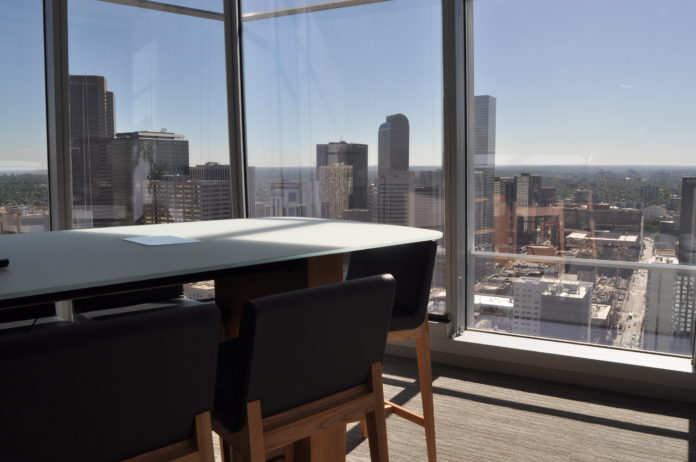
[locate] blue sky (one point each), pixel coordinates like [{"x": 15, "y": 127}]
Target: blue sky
[
  {"x": 597, "y": 82},
  {"x": 591, "y": 82}
]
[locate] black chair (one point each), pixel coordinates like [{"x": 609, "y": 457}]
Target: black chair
[
  {"x": 106, "y": 306},
  {"x": 304, "y": 361},
  {"x": 412, "y": 267},
  {"x": 139, "y": 385}
]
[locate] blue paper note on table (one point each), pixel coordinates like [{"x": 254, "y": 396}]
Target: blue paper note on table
[{"x": 159, "y": 240}]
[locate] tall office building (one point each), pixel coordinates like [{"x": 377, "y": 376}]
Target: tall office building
[
  {"x": 393, "y": 145},
  {"x": 687, "y": 227},
  {"x": 427, "y": 208},
  {"x": 91, "y": 108},
  {"x": 504, "y": 214},
  {"x": 670, "y": 310},
  {"x": 394, "y": 182},
  {"x": 139, "y": 158},
  {"x": 354, "y": 155},
  {"x": 178, "y": 199},
  {"x": 528, "y": 199},
  {"x": 483, "y": 147},
  {"x": 427, "y": 201},
  {"x": 335, "y": 185},
  {"x": 484, "y": 170}
]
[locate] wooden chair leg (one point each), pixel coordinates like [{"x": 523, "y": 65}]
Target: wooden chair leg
[
  {"x": 363, "y": 428},
  {"x": 225, "y": 450},
  {"x": 425, "y": 379},
  {"x": 376, "y": 420},
  {"x": 204, "y": 437},
  {"x": 257, "y": 451}
]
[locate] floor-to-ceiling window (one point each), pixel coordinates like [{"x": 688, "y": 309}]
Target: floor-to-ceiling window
[
  {"x": 148, "y": 113},
  {"x": 581, "y": 156},
  {"x": 24, "y": 201},
  {"x": 343, "y": 113}
]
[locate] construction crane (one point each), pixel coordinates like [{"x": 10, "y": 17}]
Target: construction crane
[
  {"x": 590, "y": 211},
  {"x": 606, "y": 190}
]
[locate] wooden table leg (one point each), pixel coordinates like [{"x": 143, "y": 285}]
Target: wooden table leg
[{"x": 232, "y": 292}]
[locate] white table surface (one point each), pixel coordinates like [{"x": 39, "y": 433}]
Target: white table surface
[{"x": 55, "y": 262}]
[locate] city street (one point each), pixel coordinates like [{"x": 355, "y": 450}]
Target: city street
[{"x": 633, "y": 310}]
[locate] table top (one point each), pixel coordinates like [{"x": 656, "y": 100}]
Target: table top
[{"x": 65, "y": 261}]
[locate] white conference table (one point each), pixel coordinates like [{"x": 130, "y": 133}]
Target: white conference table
[
  {"x": 247, "y": 258},
  {"x": 68, "y": 264}
]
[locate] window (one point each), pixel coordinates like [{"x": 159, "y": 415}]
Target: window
[
  {"x": 24, "y": 202},
  {"x": 580, "y": 156},
  {"x": 343, "y": 114},
  {"x": 148, "y": 114}
]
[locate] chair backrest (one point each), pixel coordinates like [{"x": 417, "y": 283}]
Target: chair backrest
[
  {"x": 134, "y": 297},
  {"x": 412, "y": 268},
  {"x": 108, "y": 390},
  {"x": 304, "y": 345}
]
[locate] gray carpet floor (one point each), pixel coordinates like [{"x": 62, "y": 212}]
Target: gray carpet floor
[{"x": 493, "y": 417}]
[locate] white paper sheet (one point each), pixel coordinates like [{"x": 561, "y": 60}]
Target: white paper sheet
[{"x": 159, "y": 240}]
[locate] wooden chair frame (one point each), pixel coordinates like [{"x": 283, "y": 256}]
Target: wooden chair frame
[
  {"x": 197, "y": 449},
  {"x": 290, "y": 432},
  {"x": 421, "y": 335}
]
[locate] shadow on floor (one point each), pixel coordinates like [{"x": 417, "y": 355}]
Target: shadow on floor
[{"x": 401, "y": 374}]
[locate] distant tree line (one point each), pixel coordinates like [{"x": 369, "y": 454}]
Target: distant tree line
[{"x": 23, "y": 189}]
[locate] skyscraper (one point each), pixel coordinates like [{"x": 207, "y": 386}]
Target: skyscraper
[
  {"x": 394, "y": 181},
  {"x": 335, "y": 184},
  {"x": 504, "y": 213},
  {"x": 670, "y": 310},
  {"x": 484, "y": 170},
  {"x": 139, "y": 158},
  {"x": 528, "y": 193},
  {"x": 687, "y": 227},
  {"x": 176, "y": 199},
  {"x": 354, "y": 155},
  {"x": 393, "y": 139},
  {"x": 483, "y": 146},
  {"x": 91, "y": 133}
]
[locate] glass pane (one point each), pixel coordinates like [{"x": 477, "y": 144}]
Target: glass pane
[
  {"x": 148, "y": 115},
  {"x": 24, "y": 203},
  {"x": 343, "y": 115},
  {"x": 581, "y": 149}
]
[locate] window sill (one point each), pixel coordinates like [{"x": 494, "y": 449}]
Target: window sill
[{"x": 590, "y": 352}]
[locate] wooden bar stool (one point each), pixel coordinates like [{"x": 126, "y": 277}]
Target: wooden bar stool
[
  {"x": 412, "y": 267},
  {"x": 305, "y": 362}
]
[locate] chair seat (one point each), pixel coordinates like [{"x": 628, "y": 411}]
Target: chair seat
[{"x": 404, "y": 320}]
